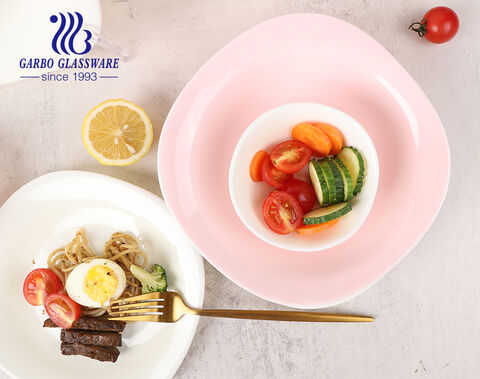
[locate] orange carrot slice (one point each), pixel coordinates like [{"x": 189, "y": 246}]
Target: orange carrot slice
[
  {"x": 335, "y": 135},
  {"x": 312, "y": 229},
  {"x": 313, "y": 137},
  {"x": 257, "y": 164}
]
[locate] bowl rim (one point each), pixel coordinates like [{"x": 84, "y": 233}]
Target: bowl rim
[{"x": 249, "y": 130}]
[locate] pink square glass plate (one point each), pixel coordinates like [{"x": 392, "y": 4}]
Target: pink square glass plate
[{"x": 303, "y": 58}]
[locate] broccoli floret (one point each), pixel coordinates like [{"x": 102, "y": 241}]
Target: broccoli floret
[{"x": 154, "y": 281}]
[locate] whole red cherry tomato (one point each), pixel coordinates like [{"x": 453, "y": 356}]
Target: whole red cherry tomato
[
  {"x": 439, "y": 25},
  {"x": 303, "y": 192}
]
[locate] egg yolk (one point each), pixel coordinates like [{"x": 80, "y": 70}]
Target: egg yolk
[{"x": 100, "y": 283}]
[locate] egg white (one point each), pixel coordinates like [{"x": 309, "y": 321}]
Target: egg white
[{"x": 75, "y": 282}]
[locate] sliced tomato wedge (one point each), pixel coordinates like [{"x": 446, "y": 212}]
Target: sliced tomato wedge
[
  {"x": 282, "y": 212},
  {"x": 274, "y": 177},
  {"x": 290, "y": 156},
  {"x": 39, "y": 284},
  {"x": 62, "y": 310}
]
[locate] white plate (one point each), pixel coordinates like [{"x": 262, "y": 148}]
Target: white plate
[{"x": 44, "y": 214}]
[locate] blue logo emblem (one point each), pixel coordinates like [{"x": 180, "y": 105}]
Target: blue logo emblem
[{"x": 66, "y": 33}]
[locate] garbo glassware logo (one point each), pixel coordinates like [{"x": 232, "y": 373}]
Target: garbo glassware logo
[
  {"x": 73, "y": 23},
  {"x": 70, "y": 39}
]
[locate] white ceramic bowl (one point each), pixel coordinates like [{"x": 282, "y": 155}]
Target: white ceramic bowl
[{"x": 274, "y": 127}]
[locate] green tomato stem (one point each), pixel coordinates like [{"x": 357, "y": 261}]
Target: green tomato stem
[{"x": 419, "y": 27}]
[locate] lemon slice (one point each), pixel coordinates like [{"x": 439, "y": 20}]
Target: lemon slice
[{"x": 117, "y": 133}]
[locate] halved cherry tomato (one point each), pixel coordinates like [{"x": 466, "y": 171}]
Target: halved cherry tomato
[
  {"x": 303, "y": 192},
  {"x": 282, "y": 212},
  {"x": 256, "y": 165},
  {"x": 39, "y": 284},
  {"x": 312, "y": 229},
  {"x": 290, "y": 156},
  {"x": 62, "y": 310},
  {"x": 334, "y": 134},
  {"x": 313, "y": 137},
  {"x": 274, "y": 177}
]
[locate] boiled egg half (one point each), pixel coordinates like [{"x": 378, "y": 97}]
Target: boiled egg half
[{"x": 95, "y": 283}]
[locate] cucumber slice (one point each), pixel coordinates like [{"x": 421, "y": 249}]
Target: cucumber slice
[
  {"x": 338, "y": 181},
  {"x": 318, "y": 182},
  {"x": 355, "y": 163},
  {"x": 321, "y": 215},
  {"x": 347, "y": 179},
  {"x": 329, "y": 179}
]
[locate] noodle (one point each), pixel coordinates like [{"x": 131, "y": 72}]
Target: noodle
[{"x": 121, "y": 248}]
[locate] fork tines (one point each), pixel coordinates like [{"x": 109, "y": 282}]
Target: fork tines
[
  {"x": 145, "y": 297},
  {"x": 147, "y": 304}
]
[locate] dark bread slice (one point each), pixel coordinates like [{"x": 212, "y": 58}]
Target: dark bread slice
[
  {"x": 91, "y": 323},
  {"x": 100, "y": 353},
  {"x": 89, "y": 337}
]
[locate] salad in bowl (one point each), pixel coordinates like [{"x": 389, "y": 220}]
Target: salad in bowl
[{"x": 304, "y": 176}]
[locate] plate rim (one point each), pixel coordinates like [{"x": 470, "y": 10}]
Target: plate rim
[{"x": 66, "y": 174}]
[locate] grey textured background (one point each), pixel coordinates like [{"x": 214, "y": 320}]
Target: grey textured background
[{"x": 426, "y": 308}]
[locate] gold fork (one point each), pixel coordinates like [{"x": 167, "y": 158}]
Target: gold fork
[{"x": 170, "y": 307}]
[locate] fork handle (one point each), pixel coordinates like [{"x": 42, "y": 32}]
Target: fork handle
[{"x": 280, "y": 315}]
